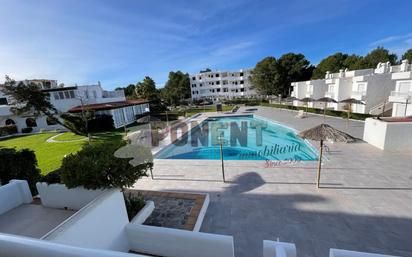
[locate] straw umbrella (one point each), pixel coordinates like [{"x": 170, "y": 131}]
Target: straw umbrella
[
  {"x": 306, "y": 100},
  {"x": 351, "y": 101},
  {"x": 326, "y": 100},
  {"x": 324, "y": 132}
]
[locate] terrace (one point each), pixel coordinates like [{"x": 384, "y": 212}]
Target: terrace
[{"x": 363, "y": 203}]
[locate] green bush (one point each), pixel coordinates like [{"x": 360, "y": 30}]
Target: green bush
[
  {"x": 134, "y": 203},
  {"x": 26, "y": 130},
  {"x": 98, "y": 123},
  {"x": 20, "y": 164},
  {"x": 8, "y": 130},
  {"x": 101, "y": 123},
  {"x": 96, "y": 167},
  {"x": 53, "y": 177}
]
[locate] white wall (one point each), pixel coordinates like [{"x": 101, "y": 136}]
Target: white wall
[
  {"x": 278, "y": 249},
  {"x": 178, "y": 243},
  {"x": 13, "y": 194},
  {"x": 395, "y": 136},
  {"x": 59, "y": 196},
  {"x": 18, "y": 246},
  {"x": 345, "y": 253},
  {"x": 100, "y": 224}
]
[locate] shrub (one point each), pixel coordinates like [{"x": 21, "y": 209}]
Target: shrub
[
  {"x": 20, "y": 164},
  {"x": 53, "y": 177},
  {"x": 96, "y": 167},
  {"x": 134, "y": 203},
  {"x": 101, "y": 123},
  {"x": 26, "y": 130},
  {"x": 8, "y": 130},
  {"x": 98, "y": 123}
]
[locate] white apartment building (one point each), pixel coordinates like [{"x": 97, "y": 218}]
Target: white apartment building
[
  {"x": 220, "y": 85},
  {"x": 372, "y": 86},
  {"x": 72, "y": 99},
  {"x": 401, "y": 97}
]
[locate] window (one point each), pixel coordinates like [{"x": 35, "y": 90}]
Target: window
[
  {"x": 193, "y": 78},
  {"x": 72, "y": 94},
  {"x": 218, "y": 90},
  {"x": 3, "y": 101},
  {"x": 56, "y": 95},
  {"x": 242, "y": 90},
  {"x": 61, "y": 95},
  {"x": 66, "y": 94},
  {"x": 225, "y": 89},
  {"x": 224, "y": 82},
  {"x": 217, "y": 75},
  {"x": 31, "y": 122},
  {"x": 241, "y": 82},
  {"x": 217, "y": 82},
  {"x": 241, "y": 74}
]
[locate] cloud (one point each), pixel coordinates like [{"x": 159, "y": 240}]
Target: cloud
[{"x": 397, "y": 44}]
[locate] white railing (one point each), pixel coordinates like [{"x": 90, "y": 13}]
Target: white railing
[
  {"x": 398, "y": 93},
  {"x": 14, "y": 194},
  {"x": 113, "y": 94}
]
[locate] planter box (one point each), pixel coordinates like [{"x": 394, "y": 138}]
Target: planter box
[{"x": 59, "y": 196}]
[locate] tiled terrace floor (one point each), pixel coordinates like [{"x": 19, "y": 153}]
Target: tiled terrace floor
[
  {"x": 32, "y": 220},
  {"x": 365, "y": 203}
]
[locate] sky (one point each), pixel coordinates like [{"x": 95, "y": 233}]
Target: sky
[{"x": 120, "y": 42}]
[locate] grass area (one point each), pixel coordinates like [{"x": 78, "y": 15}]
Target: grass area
[
  {"x": 69, "y": 136},
  {"x": 50, "y": 155}
]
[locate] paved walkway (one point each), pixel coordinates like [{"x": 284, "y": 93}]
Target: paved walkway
[{"x": 365, "y": 203}]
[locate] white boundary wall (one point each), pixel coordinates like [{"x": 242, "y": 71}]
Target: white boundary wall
[
  {"x": 13, "y": 194},
  {"x": 395, "y": 136},
  {"x": 278, "y": 249},
  {"x": 100, "y": 224},
  {"x": 18, "y": 246},
  {"x": 59, "y": 196},
  {"x": 345, "y": 253},
  {"x": 178, "y": 243}
]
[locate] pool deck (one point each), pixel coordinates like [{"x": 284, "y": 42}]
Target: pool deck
[{"x": 365, "y": 203}]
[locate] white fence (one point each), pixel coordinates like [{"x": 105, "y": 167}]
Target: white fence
[
  {"x": 18, "y": 246},
  {"x": 59, "y": 196},
  {"x": 13, "y": 194},
  {"x": 346, "y": 253},
  {"x": 278, "y": 249},
  {"x": 100, "y": 224},
  {"x": 178, "y": 243}
]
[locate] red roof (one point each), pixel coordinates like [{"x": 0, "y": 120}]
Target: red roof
[{"x": 108, "y": 106}]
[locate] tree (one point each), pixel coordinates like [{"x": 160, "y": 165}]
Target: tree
[
  {"x": 265, "y": 76},
  {"x": 292, "y": 67},
  {"x": 353, "y": 62},
  {"x": 206, "y": 70},
  {"x": 177, "y": 88},
  {"x": 407, "y": 55},
  {"x": 28, "y": 98},
  {"x": 332, "y": 63},
  {"x": 376, "y": 56},
  {"x": 147, "y": 90}
]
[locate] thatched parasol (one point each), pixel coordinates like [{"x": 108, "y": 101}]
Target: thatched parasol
[
  {"x": 326, "y": 100},
  {"x": 306, "y": 100},
  {"x": 351, "y": 101},
  {"x": 324, "y": 132}
]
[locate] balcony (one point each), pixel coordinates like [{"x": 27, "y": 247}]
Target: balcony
[
  {"x": 397, "y": 96},
  {"x": 359, "y": 95},
  {"x": 330, "y": 94}
]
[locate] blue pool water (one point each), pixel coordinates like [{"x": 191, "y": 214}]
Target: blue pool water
[{"x": 243, "y": 138}]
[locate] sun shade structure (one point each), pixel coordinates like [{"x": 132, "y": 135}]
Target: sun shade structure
[
  {"x": 351, "y": 101},
  {"x": 307, "y": 100},
  {"x": 324, "y": 132},
  {"x": 326, "y": 100}
]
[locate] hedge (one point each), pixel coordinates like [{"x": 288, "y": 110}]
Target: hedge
[
  {"x": 8, "y": 130},
  {"x": 20, "y": 164},
  {"x": 342, "y": 114}
]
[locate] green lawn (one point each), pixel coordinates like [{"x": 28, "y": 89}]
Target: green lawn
[
  {"x": 68, "y": 136},
  {"x": 50, "y": 155}
]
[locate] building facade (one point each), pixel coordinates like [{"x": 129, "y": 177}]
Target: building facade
[
  {"x": 66, "y": 98},
  {"x": 376, "y": 88},
  {"x": 221, "y": 85},
  {"x": 401, "y": 97}
]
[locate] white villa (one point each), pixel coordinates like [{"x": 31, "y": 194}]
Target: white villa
[
  {"x": 386, "y": 88},
  {"x": 73, "y": 99},
  {"x": 220, "y": 85}
]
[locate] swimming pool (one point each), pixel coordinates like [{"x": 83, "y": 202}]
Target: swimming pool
[{"x": 245, "y": 137}]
